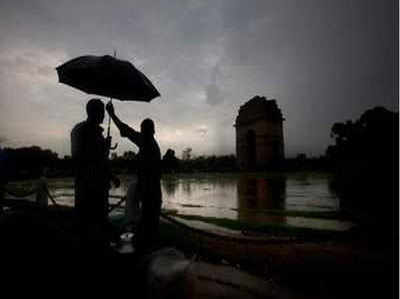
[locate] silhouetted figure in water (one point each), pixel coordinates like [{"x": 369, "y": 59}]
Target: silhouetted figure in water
[
  {"x": 92, "y": 175},
  {"x": 149, "y": 174}
]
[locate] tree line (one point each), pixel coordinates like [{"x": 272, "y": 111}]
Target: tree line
[{"x": 366, "y": 145}]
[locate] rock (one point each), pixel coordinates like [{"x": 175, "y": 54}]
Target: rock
[
  {"x": 162, "y": 274},
  {"x": 166, "y": 273}
]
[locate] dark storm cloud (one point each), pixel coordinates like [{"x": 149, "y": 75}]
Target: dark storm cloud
[
  {"x": 324, "y": 61},
  {"x": 214, "y": 93}
]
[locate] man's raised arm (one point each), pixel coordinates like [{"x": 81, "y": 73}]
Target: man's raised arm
[{"x": 124, "y": 129}]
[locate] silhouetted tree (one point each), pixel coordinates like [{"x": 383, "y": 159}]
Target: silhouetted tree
[
  {"x": 4, "y": 168},
  {"x": 27, "y": 162},
  {"x": 372, "y": 137},
  {"x": 209, "y": 164},
  {"x": 187, "y": 153},
  {"x": 365, "y": 154}
]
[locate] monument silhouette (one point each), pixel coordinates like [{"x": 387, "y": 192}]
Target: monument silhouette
[{"x": 259, "y": 134}]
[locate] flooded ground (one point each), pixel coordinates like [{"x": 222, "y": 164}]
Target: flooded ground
[{"x": 250, "y": 198}]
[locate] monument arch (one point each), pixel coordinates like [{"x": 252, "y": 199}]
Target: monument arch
[{"x": 259, "y": 134}]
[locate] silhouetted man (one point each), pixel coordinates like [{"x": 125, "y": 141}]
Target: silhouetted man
[
  {"x": 149, "y": 175},
  {"x": 92, "y": 174}
]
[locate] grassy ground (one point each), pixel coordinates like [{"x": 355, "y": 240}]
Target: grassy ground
[{"x": 268, "y": 228}]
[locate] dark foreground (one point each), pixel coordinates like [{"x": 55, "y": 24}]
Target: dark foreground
[{"x": 191, "y": 264}]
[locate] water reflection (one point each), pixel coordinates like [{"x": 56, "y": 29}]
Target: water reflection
[
  {"x": 187, "y": 187},
  {"x": 169, "y": 186},
  {"x": 255, "y": 195},
  {"x": 203, "y": 195},
  {"x": 250, "y": 199},
  {"x": 246, "y": 198}
]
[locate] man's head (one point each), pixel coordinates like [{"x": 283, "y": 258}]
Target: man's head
[
  {"x": 95, "y": 111},
  {"x": 147, "y": 127}
]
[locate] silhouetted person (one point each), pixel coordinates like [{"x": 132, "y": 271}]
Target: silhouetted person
[
  {"x": 92, "y": 175},
  {"x": 149, "y": 176},
  {"x": 170, "y": 162},
  {"x": 132, "y": 206},
  {"x": 42, "y": 191}
]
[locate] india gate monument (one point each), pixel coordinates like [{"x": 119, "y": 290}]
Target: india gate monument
[{"x": 259, "y": 134}]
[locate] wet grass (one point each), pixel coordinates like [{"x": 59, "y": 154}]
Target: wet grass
[
  {"x": 330, "y": 215},
  {"x": 227, "y": 175},
  {"x": 271, "y": 229}
]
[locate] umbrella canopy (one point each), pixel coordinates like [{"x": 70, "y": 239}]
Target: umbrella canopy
[{"x": 107, "y": 76}]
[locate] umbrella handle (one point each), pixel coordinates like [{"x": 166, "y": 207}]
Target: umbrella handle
[
  {"x": 108, "y": 131},
  {"x": 109, "y": 123}
]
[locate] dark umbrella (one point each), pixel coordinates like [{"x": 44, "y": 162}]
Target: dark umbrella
[{"x": 107, "y": 76}]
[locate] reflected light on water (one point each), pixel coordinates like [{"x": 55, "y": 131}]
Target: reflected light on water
[{"x": 240, "y": 197}]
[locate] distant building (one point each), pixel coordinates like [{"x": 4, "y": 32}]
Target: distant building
[{"x": 259, "y": 134}]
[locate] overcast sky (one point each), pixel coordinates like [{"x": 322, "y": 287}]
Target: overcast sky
[{"x": 322, "y": 60}]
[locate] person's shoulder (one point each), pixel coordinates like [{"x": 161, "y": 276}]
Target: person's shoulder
[{"x": 79, "y": 127}]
